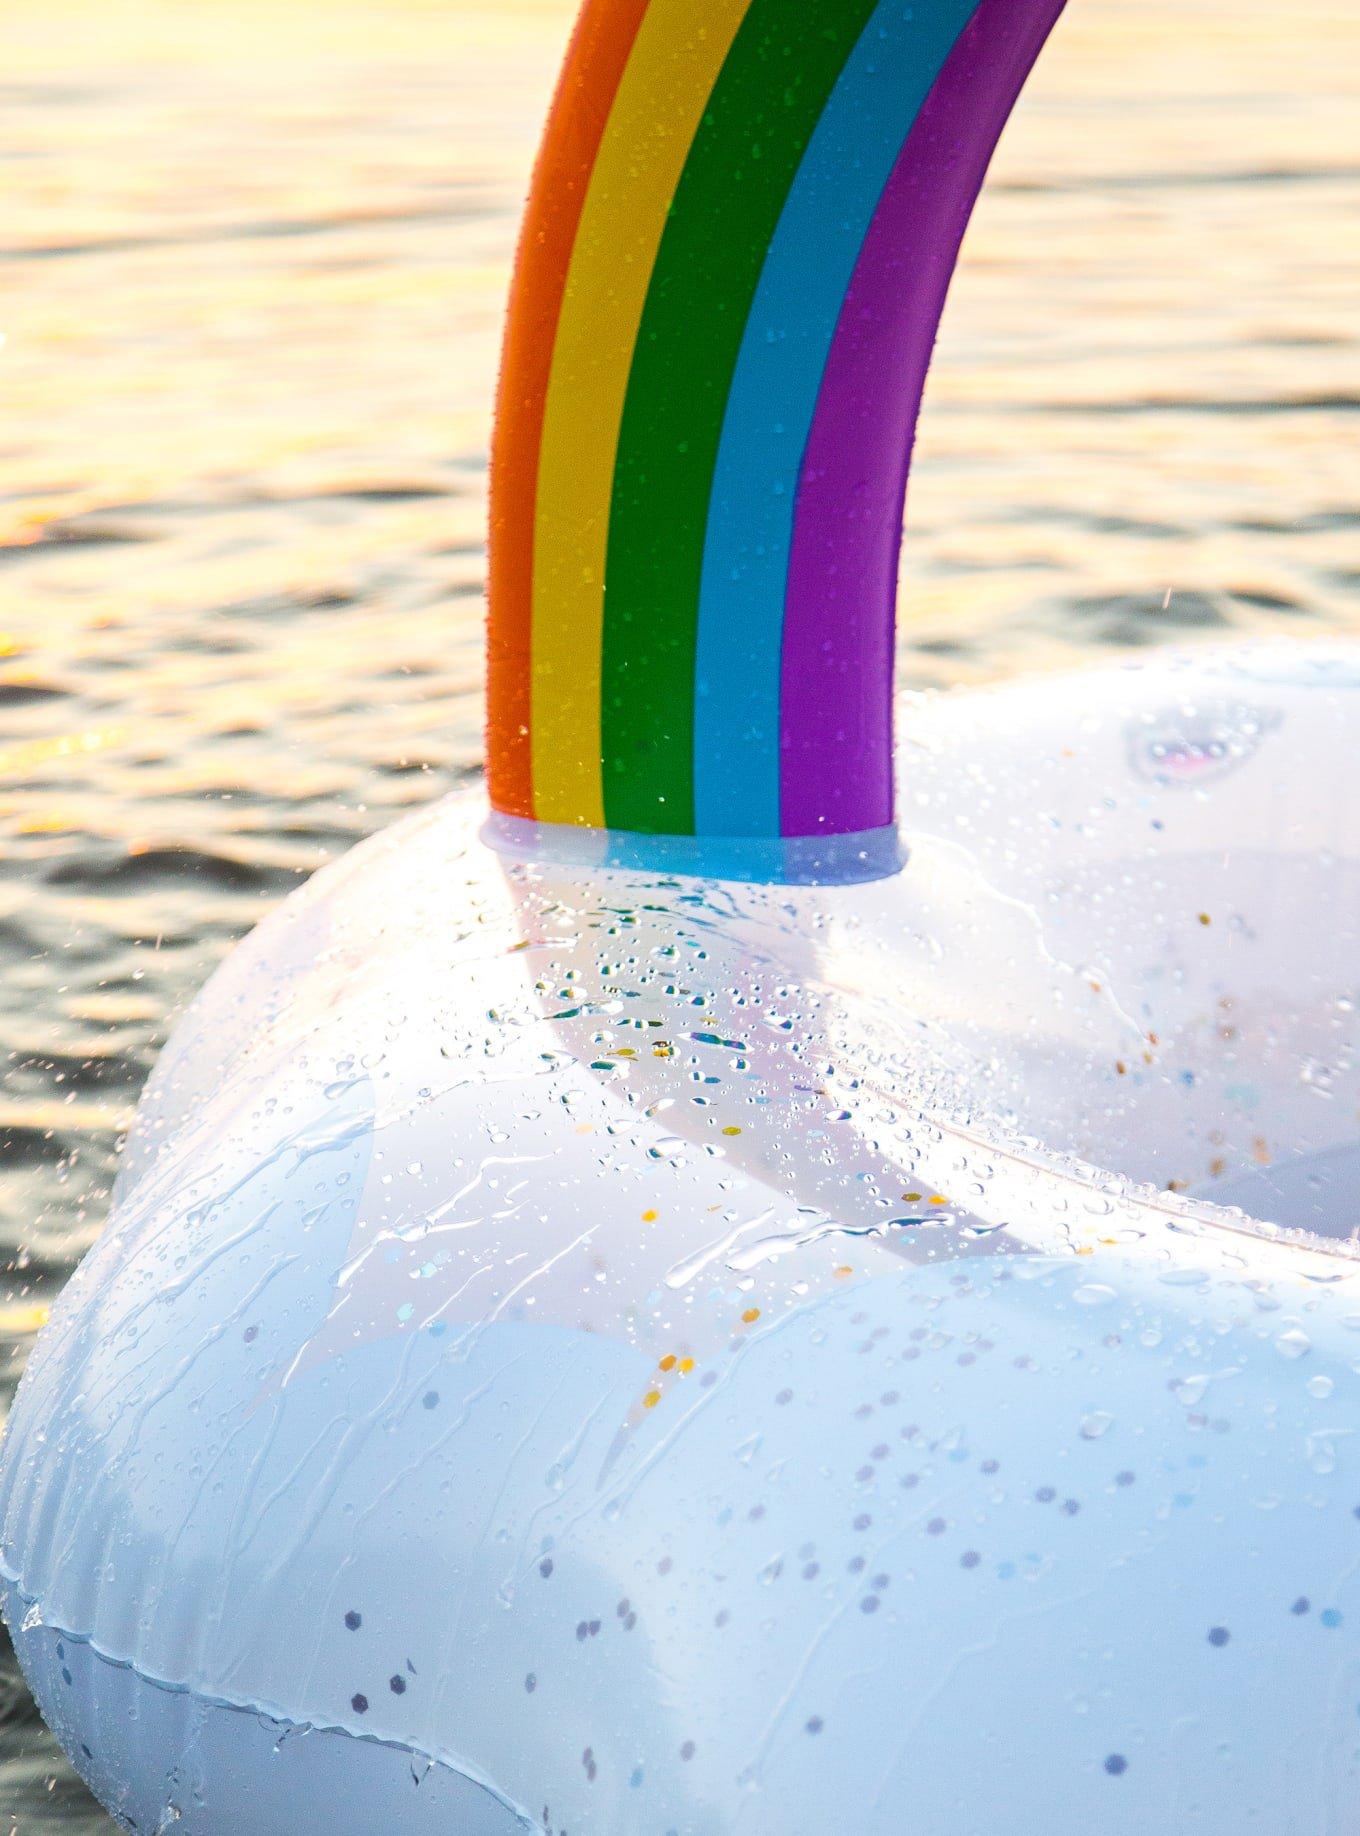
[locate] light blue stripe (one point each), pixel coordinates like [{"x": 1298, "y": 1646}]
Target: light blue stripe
[
  {"x": 774, "y": 394},
  {"x": 756, "y": 860}
]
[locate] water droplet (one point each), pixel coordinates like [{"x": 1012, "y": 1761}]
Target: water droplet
[
  {"x": 667, "y": 1147},
  {"x": 1321, "y": 1452}
]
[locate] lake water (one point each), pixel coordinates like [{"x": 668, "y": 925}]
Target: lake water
[{"x": 252, "y": 269}]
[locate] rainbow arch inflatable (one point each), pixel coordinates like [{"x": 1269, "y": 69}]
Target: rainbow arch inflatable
[
  {"x": 694, "y": 1319},
  {"x": 741, "y": 233}
]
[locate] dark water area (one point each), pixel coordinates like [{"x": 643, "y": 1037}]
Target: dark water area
[{"x": 251, "y": 277}]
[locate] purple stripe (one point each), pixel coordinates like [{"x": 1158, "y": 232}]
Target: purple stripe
[{"x": 836, "y": 764}]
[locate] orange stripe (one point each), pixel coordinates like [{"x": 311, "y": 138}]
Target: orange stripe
[{"x": 596, "y": 60}]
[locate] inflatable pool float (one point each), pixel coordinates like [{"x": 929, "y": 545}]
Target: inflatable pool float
[{"x": 681, "y": 1307}]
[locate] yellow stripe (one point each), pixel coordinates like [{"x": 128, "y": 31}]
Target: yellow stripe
[{"x": 675, "y": 63}]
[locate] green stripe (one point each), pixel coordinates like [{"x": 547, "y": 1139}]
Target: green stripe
[{"x": 771, "y": 92}]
